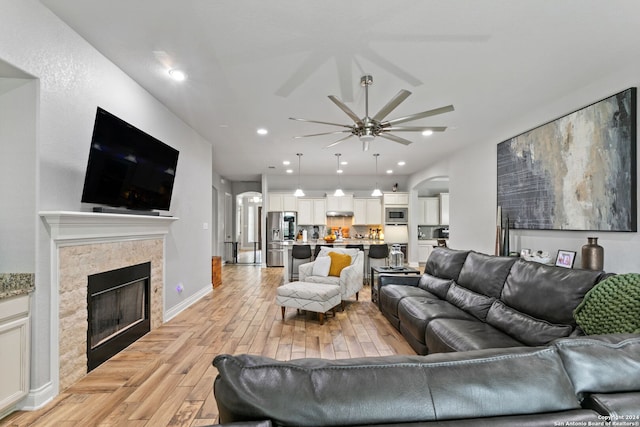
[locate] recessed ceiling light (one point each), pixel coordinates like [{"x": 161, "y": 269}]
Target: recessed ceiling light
[
  {"x": 286, "y": 162},
  {"x": 262, "y": 131},
  {"x": 389, "y": 171},
  {"x": 223, "y": 126},
  {"x": 289, "y": 170},
  {"x": 344, "y": 162},
  {"x": 177, "y": 75},
  {"x": 339, "y": 171},
  {"x": 427, "y": 133},
  {"x": 401, "y": 163}
]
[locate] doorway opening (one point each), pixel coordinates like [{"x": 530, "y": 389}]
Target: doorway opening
[{"x": 249, "y": 228}]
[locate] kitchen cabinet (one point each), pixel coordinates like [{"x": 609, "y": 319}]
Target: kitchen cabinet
[
  {"x": 312, "y": 211},
  {"x": 424, "y": 250},
  {"x": 428, "y": 210},
  {"x": 396, "y": 199},
  {"x": 279, "y": 202},
  {"x": 444, "y": 208},
  {"x": 340, "y": 203},
  {"x": 14, "y": 357},
  {"x": 367, "y": 211}
]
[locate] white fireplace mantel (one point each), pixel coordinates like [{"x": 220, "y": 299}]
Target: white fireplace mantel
[
  {"x": 68, "y": 229},
  {"x": 73, "y": 226}
]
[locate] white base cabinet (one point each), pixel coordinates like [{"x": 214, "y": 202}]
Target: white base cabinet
[
  {"x": 424, "y": 250},
  {"x": 14, "y": 351}
]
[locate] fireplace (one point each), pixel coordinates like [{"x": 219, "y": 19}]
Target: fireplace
[{"x": 118, "y": 309}]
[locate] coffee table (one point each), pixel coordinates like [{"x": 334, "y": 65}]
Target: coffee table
[{"x": 387, "y": 270}]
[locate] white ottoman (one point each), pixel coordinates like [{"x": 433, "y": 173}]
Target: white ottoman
[{"x": 318, "y": 297}]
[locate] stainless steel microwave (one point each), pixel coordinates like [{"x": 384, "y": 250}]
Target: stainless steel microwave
[{"x": 396, "y": 215}]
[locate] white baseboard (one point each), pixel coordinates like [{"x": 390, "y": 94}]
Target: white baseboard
[
  {"x": 37, "y": 398},
  {"x": 179, "y": 308}
]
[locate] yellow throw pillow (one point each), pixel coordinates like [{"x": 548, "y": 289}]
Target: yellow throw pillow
[{"x": 338, "y": 262}]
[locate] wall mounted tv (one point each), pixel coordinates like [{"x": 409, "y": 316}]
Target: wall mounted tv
[{"x": 128, "y": 167}]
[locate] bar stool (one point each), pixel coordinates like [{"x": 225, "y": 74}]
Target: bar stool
[
  {"x": 298, "y": 252},
  {"x": 378, "y": 255},
  {"x": 317, "y": 250}
]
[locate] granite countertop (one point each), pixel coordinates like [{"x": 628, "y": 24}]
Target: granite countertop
[
  {"x": 12, "y": 284},
  {"x": 335, "y": 242}
]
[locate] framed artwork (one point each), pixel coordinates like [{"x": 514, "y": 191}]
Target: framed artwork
[
  {"x": 577, "y": 172},
  {"x": 565, "y": 259}
]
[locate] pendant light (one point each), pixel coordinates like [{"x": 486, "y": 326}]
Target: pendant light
[
  {"x": 299, "y": 192},
  {"x": 376, "y": 191},
  {"x": 339, "y": 192}
]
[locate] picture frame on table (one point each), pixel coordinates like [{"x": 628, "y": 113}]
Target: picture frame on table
[{"x": 565, "y": 258}]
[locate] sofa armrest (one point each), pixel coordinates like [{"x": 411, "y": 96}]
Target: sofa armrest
[
  {"x": 396, "y": 279},
  {"x": 305, "y": 270},
  {"x": 615, "y": 404}
]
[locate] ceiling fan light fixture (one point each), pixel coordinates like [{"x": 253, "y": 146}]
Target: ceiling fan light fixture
[{"x": 427, "y": 132}]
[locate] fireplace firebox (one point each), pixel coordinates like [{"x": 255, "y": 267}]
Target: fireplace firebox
[{"x": 118, "y": 308}]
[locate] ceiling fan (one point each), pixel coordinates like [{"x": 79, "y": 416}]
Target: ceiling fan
[{"x": 367, "y": 128}]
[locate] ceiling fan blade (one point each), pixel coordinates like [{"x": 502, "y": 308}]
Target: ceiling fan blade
[
  {"x": 392, "y": 104},
  {"x": 415, "y": 128},
  {"x": 395, "y": 138},
  {"x": 346, "y": 109},
  {"x": 338, "y": 141},
  {"x": 322, "y": 123},
  {"x": 320, "y": 134},
  {"x": 417, "y": 116}
]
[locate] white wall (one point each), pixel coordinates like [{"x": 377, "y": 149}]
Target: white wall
[
  {"x": 472, "y": 173},
  {"x": 73, "y": 80},
  {"x": 17, "y": 175}
]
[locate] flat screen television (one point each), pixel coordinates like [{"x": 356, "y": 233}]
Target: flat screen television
[{"x": 128, "y": 167}]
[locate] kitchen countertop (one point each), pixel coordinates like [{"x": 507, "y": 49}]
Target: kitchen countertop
[
  {"x": 12, "y": 284},
  {"x": 342, "y": 242}
]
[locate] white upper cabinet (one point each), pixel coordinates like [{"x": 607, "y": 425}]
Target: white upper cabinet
[
  {"x": 340, "y": 203},
  {"x": 396, "y": 199},
  {"x": 428, "y": 210},
  {"x": 367, "y": 211},
  {"x": 282, "y": 202},
  {"x": 312, "y": 211}
]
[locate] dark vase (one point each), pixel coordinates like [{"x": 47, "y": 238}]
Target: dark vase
[
  {"x": 592, "y": 255},
  {"x": 505, "y": 244}
]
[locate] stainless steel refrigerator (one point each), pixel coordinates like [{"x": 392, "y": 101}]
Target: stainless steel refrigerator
[{"x": 281, "y": 226}]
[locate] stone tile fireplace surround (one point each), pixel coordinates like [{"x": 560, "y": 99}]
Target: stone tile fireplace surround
[{"x": 82, "y": 244}]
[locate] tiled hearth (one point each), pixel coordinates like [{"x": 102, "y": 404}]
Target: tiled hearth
[{"x": 88, "y": 243}]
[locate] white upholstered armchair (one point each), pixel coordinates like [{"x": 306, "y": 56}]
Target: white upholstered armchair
[{"x": 350, "y": 280}]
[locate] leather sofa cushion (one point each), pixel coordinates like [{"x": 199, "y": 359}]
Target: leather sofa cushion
[
  {"x": 485, "y": 274},
  {"x": 391, "y": 295},
  {"x": 547, "y": 292},
  {"x": 445, "y": 335},
  {"x": 416, "y": 312},
  {"x": 445, "y": 263},
  {"x": 476, "y": 304},
  {"x": 525, "y": 328},
  {"x": 313, "y": 392},
  {"x": 602, "y": 364},
  {"x": 435, "y": 285}
]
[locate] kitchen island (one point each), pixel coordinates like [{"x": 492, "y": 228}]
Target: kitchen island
[{"x": 288, "y": 245}]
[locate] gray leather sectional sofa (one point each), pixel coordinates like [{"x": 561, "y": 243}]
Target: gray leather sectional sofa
[
  {"x": 469, "y": 301},
  {"x": 572, "y": 381}
]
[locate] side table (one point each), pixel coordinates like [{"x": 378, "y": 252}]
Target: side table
[{"x": 387, "y": 270}]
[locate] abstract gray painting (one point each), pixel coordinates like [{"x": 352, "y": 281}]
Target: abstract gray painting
[{"x": 575, "y": 173}]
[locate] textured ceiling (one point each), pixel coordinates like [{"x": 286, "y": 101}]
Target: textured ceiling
[{"x": 255, "y": 63}]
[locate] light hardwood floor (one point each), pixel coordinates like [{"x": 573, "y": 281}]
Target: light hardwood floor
[{"x": 166, "y": 377}]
